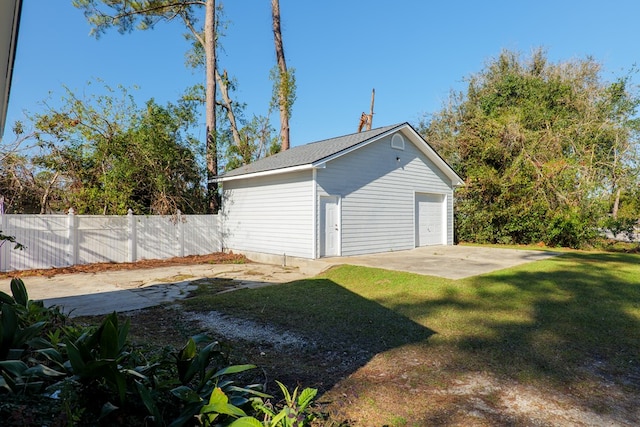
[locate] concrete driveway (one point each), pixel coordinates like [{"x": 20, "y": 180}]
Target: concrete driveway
[
  {"x": 87, "y": 294},
  {"x": 451, "y": 262},
  {"x": 101, "y": 293}
]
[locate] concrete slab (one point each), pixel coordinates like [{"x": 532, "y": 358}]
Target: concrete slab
[
  {"x": 451, "y": 262},
  {"x": 125, "y": 290}
]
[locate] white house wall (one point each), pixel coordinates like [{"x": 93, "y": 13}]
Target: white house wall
[
  {"x": 377, "y": 186},
  {"x": 270, "y": 214}
]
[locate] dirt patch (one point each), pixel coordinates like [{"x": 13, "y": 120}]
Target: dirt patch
[
  {"x": 283, "y": 355},
  {"x": 413, "y": 385},
  {"x": 215, "y": 258},
  {"x": 233, "y": 328}
]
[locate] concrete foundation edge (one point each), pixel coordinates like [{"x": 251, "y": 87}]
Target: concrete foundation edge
[{"x": 305, "y": 265}]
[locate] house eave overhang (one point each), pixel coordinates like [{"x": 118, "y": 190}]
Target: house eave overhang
[
  {"x": 456, "y": 180},
  {"x": 298, "y": 168},
  {"x": 9, "y": 23}
]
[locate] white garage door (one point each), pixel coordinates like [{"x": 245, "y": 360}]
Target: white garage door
[{"x": 430, "y": 216}]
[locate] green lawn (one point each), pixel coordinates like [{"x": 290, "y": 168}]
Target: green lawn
[{"x": 567, "y": 323}]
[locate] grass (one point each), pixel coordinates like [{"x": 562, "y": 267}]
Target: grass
[{"x": 567, "y": 324}]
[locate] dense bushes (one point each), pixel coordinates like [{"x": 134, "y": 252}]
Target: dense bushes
[{"x": 548, "y": 151}]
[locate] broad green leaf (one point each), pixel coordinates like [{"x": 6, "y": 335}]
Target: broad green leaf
[
  {"x": 188, "y": 352},
  {"x": 9, "y": 327},
  {"x": 6, "y": 299},
  {"x": 306, "y": 397},
  {"x": 136, "y": 374},
  {"x": 186, "y": 394},
  {"x": 222, "y": 408},
  {"x": 14, "y": 367},
  {"x": 9, "y": 382},
  {"x": 187, "y": 414},
  {"x": 219, "y": 403},
  {"x": 4, "y": 385},
  {"x": 27, "y": 334},
  {"x": 246, "y": 422},
  {"x": 75, "y": 358},
  {"x": 42, "y": 371},
  {"x": 218, "y": 396},
  {"x": 52, "y": 354},
  {"x": 234, "y": 369},
  {"x": 149, "y": 403},
  {"x": 248, "y": 391},
  {"x": 39, "y": 343},
  {"x": 285, "y": 392},
  {"x": 107, "y": 409},
  {"x": 121, "y": 384},
  {"x": 109, "y": 340},
  {"x": 19, "y": 291},
  {"x": 279, "y": 417}
]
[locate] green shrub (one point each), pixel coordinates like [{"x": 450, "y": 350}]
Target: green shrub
[{"x": 93, "y": 375}]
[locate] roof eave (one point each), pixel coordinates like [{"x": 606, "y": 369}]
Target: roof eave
[
  {"x": 456, "y": 180},
  {"x": 9, "y": 39},
  {"x": 223, "y": 178}
]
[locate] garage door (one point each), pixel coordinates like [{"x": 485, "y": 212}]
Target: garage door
[{"x": 430, "y": 215}]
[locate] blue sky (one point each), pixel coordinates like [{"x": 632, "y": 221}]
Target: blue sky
[{"x": 413, "y": 52}]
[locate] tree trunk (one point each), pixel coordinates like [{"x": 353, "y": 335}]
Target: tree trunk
[
  {"x": 226, "y": 100},
  {"x": 616, "y": 205},
  {"x": 44, "y": 201},
  {"x": 210, "y": 102},
  {"x": 282, "y": 67},
  {"x": 373, "y": 97}
]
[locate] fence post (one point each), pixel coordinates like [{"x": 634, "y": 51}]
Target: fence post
[
  {"x": 180, "y": 234},
  {"x": 4, "y": 253},
  {"x": 72, "y": 251},
  {"x": 131, "y": 236}
]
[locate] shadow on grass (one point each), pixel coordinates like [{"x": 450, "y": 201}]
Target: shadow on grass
[
  {"x": 574, "y": 326},
  {"x": 571, "y": 322},
  {"x": 573, "y": 318},
  {"x": 343, "y": 330}
]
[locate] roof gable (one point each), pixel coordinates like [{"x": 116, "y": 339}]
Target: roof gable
[{"x": 315, "y": 154}]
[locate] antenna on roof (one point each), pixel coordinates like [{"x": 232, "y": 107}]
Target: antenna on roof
[{"x": 367, "y": 119}]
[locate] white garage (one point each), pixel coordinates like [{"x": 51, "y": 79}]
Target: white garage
[{"x": 375, "y": 191}]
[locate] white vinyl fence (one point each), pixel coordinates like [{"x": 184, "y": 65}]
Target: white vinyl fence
[{"x": 64, "y": 240}]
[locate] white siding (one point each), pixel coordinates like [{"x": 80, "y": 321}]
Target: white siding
[
  {"x": 271, "y": 214},
  {"x": 377, "y": 186}
]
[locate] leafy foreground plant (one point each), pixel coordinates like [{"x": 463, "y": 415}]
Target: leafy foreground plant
[
  {"x": 22, "y": 324},
  {"x": 94, "y": 376},
  {"x": 294, "y": 413}
]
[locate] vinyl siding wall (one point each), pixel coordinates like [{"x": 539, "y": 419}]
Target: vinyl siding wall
[
  {"x": 271, "y": 215},
  {"x": 378, "y": 195}
]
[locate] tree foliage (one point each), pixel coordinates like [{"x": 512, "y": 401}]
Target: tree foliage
[
  {"x": 547, "y": 149},
  {"x": 112, "y": 156},
  {"x": 233, "y": 136},
  {"x": 125, "y": 16},
  {"x": 23, "y": 187}
]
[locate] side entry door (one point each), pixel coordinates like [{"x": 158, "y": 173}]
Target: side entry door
[{"x": 329, "y": 226}]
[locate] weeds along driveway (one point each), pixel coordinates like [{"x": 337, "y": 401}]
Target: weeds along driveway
[{"x": 451, "y": 262}]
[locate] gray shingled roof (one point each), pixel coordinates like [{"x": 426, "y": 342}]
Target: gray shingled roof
[{"x": 309, "y": 153}]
